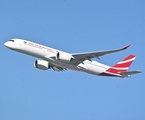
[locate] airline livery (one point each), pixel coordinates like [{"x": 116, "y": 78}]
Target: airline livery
[{"x": 60, "y": 61}]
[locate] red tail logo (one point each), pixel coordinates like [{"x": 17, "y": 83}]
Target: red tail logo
[{"x": 123, "y": 65}]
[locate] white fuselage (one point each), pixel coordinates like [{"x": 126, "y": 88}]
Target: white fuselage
[
  {"x": 46, "y": 53},
  {"x": 60, "y": 61}
]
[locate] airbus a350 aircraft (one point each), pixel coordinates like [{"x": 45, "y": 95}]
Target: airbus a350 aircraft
[{"x": 60, "y": 61}]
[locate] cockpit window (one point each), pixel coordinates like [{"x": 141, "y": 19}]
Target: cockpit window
[{"x": 11, "y": 40}]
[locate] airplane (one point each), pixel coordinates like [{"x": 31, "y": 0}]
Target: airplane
[{"x": 50, "y": 58}]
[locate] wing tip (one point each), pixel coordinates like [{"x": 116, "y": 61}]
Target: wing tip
[{"x": 127, "y": 46}]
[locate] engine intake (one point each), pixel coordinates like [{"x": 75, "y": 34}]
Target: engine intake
[
  {"x": 64, "y": 57},
  {"x": 41, "y": 64}
]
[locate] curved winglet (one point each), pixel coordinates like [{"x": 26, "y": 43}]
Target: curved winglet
[{"x": 127, "y": 46}]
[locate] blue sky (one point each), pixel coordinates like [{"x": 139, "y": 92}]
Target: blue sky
[{"x": 27, "y": 93}]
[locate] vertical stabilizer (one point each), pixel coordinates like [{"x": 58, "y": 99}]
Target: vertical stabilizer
[{"x": 123, "y": 65}]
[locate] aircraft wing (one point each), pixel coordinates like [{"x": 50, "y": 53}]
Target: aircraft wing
[{"x": 87, "y": 56}]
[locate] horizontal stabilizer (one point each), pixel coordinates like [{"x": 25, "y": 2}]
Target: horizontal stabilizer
[{"x": 130, "y": 72}]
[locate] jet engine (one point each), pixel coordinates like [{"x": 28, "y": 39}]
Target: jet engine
[
  {"x": 41, "y": 64},
  {"x": 64, "y": 57}
]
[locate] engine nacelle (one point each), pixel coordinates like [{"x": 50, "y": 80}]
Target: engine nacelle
[
  {"x": 41, "y": 64},
  {"x": 64, "y": 57}
]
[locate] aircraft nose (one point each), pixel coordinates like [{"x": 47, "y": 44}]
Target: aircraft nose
[{"x": 6, "y": 44}]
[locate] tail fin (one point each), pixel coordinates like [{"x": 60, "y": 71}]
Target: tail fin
[{"x": 123, "y": 65}]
